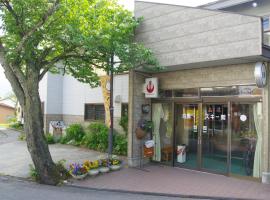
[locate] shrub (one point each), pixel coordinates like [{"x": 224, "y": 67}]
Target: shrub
[
  {"x": 16, "y": 125},
  {"x": 60, "y": 166},
  {"x": 22, "y": 137},
  {"x": 33, "y": 172},
  {"x": 97, "y": 136},
  {"x": 64, "y": 173},
  {"x": 124, "y": 123},
  {"x": 74, "y": 135},
  {"x": 120, "y": 144},
  {"x": 49, "y": 138}
]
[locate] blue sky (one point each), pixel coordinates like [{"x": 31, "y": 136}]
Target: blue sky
[{"x": 4, "y": 84}]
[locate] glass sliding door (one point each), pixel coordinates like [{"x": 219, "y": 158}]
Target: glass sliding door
[
  {"x": 186, "y": 135},
  {"x": 162, "y": 117},
  {"x": 214, "y": 144},
  {"x": 246, "y": 139}
]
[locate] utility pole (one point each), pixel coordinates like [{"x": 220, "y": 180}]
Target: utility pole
[{"x": 110, "y": 149}]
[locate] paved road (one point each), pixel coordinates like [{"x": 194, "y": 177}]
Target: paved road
[
  {"x": 15, "y": 158},
  {"x": 12, "y": 189},
  {"x": 7, "y": 136}
]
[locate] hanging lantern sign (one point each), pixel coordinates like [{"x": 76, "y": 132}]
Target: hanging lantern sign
[
  {"x": 260, "y": 74},
  {"x": 151, "y": 88}
]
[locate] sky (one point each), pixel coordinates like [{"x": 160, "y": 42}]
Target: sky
[{"x": 129, "y": 4}]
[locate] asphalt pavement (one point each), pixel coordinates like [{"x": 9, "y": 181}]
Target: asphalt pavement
[{"x": 14, "y": 189}]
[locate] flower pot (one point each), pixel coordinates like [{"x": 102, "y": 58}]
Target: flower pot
[
  {"x": 79, "y": 177},
  {"x": 115, "y": 167},
  {"x": 93, "y": 172},
  {"x": 104, "y": 169},
  {"x": 140, "y": 134}
]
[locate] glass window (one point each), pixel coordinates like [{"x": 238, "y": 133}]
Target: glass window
[
  {"x": 94, "y": 112},
  {"x": 247, "y": 90},
  {"x": 124, "y": 110},
  {"x": 246, "y": 141},
  {"x": 162, "y": 117},
  {"x": 165, "y": 93},
  {"x": 193, "y": 92}
]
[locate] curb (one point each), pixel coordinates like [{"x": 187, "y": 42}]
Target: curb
[
  {"x": 69, "y": 185},
  {"x": 154, "y": 193}
]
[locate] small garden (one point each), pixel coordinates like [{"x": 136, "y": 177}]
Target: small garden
[
  {"x": 94, "y": 136},
  {"x": 93, "y": 168}
]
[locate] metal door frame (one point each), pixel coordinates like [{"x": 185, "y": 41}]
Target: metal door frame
[{"x": 227, "y": 100}]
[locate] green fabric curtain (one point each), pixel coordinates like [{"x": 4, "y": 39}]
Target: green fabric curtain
[
  {"x": 157, "y": 114},
  {"x": 257, "y": 113}
]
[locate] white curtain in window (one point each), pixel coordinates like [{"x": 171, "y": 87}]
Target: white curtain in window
[
  {"x": 257, "y": 112},
  {"x": 157, "y": 114}
]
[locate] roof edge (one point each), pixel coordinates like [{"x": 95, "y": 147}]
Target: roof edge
[
  {"x": 221, "y": 4},
  {"x": 198, "y": 8},
  {"x": 7, "y": 106}
]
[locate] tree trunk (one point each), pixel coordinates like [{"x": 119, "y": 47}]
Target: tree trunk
[{"x": 36, "y": 143}]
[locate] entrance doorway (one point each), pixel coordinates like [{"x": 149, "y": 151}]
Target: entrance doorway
[
  {"x": 186, "y": 135},
  {"x": 222, "y": 138},
  {"x": 214, "y": 137}
]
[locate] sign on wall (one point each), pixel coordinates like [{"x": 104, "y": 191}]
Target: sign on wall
[{"x": 151, "y": 88}]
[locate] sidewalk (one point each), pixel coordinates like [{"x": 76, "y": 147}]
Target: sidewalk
[
  {"x": 177, "y": 181},
  {"x": 15, "y": 158}
]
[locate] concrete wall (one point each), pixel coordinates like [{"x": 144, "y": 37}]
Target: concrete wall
[
  {"x": 227, "y": 75},
  {"x": 136, "y": 100},
  {"x": 64, "y": 98},
  {"x": 182, "y": 35}
]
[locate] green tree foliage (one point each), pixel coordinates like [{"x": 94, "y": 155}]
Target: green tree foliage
[{"x": 64, "y": 36}]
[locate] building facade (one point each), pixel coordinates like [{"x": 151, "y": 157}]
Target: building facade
[
  {"x": 211, "y": 113},
  {"x": 66, "y": 99}
]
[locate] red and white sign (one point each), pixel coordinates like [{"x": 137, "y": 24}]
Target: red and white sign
[{"x": 151, "y": 88}]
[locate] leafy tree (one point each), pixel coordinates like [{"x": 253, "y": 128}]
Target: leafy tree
[
  {"x": 119, "y": 52},
  {"x": 73, "y": 36}
]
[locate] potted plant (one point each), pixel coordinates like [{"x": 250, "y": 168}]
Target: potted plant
[
  {"x": 104, "y": 166},
  {"x": 78, "y": 171},
  {"x": 144, "y": 127},
  {"x": 147, "y": 126},
  {"x": 115, "y": 164},
  {"x": 92, "y": 167}
]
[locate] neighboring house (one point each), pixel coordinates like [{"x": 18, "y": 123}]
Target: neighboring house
[
  {"x": 66, "y": 99},
  {"x": 6, "y": 113},
  {"x": 211, "y": 112}
]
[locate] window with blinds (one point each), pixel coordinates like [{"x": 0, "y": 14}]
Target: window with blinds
[{"x": 94, "y": 112}]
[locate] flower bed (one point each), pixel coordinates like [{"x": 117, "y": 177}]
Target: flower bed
[{"x": 93, "y": 168}]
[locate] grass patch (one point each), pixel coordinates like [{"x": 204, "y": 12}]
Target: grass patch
[{"x": 4, "y": 125}]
